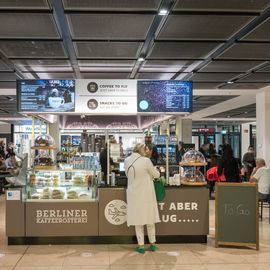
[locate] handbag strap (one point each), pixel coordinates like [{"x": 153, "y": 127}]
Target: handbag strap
[{"x": 132, "y": 166}]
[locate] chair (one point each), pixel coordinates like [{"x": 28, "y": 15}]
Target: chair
[{"x": 264, "y": 203}]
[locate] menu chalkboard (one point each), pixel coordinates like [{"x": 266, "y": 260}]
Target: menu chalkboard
[{"x": 237, "y": 214}]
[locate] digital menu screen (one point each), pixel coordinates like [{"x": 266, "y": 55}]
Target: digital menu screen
[
  {"x": 46, "y": 96},
  {"x": 164, "y": 96}
]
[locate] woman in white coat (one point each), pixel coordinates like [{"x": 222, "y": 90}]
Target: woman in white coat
[{"x": 142, "y": 206}]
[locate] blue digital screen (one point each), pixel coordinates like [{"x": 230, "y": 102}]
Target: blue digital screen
[
  {"x": 46, "y": 96},
  {"x": 164, "y": 96}
]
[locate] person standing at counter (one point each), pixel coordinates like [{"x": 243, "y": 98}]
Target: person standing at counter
[
  {"x": 228, "y": 165},
  {"x": 142, "y": 206},
  {"x": 249, "y": 162},
  {"x": 179, "y": 152}
]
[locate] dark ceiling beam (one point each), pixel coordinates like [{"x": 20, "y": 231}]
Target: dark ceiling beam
[
  {"x": 63, "y": 28},
  {"x": 235, "y": 38},
  {"x": 11, "y": 66},
  {"x": 155, "y": 28}
]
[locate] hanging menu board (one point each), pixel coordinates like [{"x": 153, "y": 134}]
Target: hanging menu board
[
  {"x": 237, "y": 214},
  {"x": 164, "y": 96},
  {"x": 106, "y": 96},
  {"x": 46, "y": 96}
]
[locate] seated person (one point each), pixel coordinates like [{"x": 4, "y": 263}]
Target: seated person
[
  {"x": 261, "y": 175},
  {"x": 2, "y": 163},
  {"x": 12, "y": 165}
]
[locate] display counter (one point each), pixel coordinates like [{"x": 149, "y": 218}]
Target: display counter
[{"x": 184, "y": 217}]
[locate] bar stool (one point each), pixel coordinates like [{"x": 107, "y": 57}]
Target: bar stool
[{"x": 264, "y": 203}]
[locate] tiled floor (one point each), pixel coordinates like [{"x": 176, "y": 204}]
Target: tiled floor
[{"x": 123, "y": 257}]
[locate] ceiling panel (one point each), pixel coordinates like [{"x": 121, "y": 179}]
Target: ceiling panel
[
  {"x": 247, "y": 51},
  {"x": 8, "y": 76},
  {"x": 107, "y": 49},
  {"x": 27, "y": 25},
  {"x": 256, "y": 77},
  {"x": 201, "y": 27},
  {"x": 221, "y": 5},
  {"x": 3, "y": 66},
  {"x": 213, "y": 77},
  {"x": 58, "y": 75},
  {"x": 248, "y": 111},
  {"x": 230, "y": 66},
  {"x": 260, "y": 33},
  {"x": 8, "y": 85},
  {"x": 205, "y": 85},
  {"x": 184, "y": 50},
  {"x": 245, "y": 85},
  {"x": 106, "y": 69},
  {"x": 155, "y": 76},
  {"x": 108, "y": 75},
  {"x": 203, "y": 102},
  {"x": 25, "y": 4},
  {"x": 42, "y": 64},
  {"x": 32, "y": 49},
  {"x": 165, "y": 65},
  {"x": 106, "y": 63},
  {"x": 114, "y": 5},
  {"x": 110, "y": 26}
]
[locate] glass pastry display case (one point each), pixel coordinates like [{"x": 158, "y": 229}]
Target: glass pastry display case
[
  {"x": 192, "y": 169},
  {"x": 61, "y": 185}
]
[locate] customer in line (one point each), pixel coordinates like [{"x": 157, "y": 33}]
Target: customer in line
[
  {"x": 228, "y": 165},
  {"x": 180, "y": 151},
  {"x": 151, "y": 152},
  {"x": 249, "y": 162},
  {"x": 142, "y": 206},
  {"x": 261, "y": 175}
]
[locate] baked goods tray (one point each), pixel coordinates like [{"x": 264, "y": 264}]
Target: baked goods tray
[
  {"x": 62, "y": 200},
  {"x": 44, "y": 147},
  {"x": 195, "y": 184},
  {"x": 40, "y": 167},
  {"x": 193, "y": 164}
]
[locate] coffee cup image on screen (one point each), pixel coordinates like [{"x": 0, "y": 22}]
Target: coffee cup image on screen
[
  {"x": 56, "y": 102},
  {"x": 92, "y": 104},
  {"x": 92, "y": 87}
]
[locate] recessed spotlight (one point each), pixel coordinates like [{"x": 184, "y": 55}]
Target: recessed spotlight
[
  {"x": 245, "y": 112},
  {"x": 163, "y": 12},
  {"x": 228, "y": 116},
  {"x": 230, "y": 82},
  {"x": 141, "y": 59}
]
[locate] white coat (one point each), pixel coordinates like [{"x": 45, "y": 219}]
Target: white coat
[{"x": 141, "y": 198}]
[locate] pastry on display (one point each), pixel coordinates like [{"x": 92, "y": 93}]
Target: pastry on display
[
  {"x": 72, "y": 194},
  {"x": 193, "y": 158},
  {"x": 35, "y": 196},
  {"x": 78, "y": 180},
  {"x": 55, "y": 180},
  {"x": 193, "y": 177},
  {"x": 32, "y": 180},
  {"x": 43, "y": 159},
  {"x": 44, "y": 140},
  {"x": 84, "y": 195},
  {"x": 57, "y": 194}
]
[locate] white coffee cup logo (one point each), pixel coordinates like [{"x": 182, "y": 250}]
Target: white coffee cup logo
[
  {"x": 56, "y": 102},
  {"x": 116, "y": 212}
]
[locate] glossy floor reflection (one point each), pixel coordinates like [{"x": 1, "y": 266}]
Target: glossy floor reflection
[{"x": 123, "y": 257}]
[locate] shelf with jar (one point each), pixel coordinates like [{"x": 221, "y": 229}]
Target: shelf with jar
[
  {"x": 192, "y": 169},
  {"x": 52, "y": 185}
]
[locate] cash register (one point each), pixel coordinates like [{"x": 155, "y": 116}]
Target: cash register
[{"x": 121, "y": 178}]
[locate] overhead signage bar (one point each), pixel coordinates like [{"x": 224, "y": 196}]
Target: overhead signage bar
[{"x": 104, "y": 97}]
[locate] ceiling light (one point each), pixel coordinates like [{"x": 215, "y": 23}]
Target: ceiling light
[
  {"x": 246, "y": 112},
  {"x": 163, "y": 12},
  {"x": 141, "y": 59},
  {"x": 230, "y": 82}
]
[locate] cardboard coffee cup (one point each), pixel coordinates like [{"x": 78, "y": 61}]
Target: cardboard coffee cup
[{"x": 56, "y": 102}]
